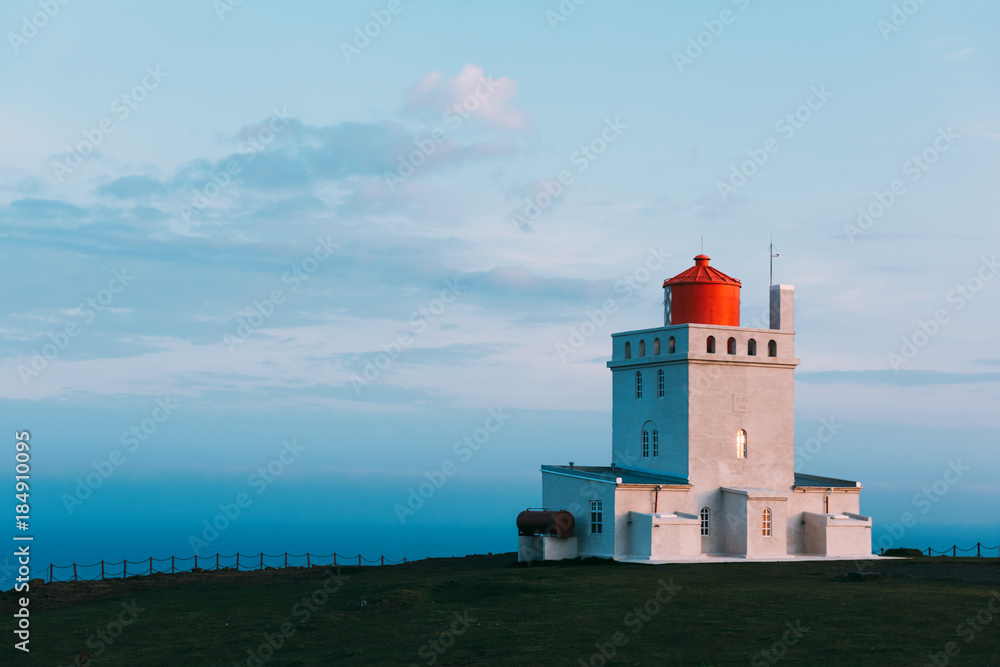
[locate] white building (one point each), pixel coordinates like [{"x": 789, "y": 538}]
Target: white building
[{"x": 703, "y": 444}]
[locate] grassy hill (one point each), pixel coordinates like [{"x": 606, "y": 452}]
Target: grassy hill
[{"x": 489, "y": 610}]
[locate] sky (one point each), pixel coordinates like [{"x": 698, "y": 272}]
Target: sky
[{"x": 348, "y": 231}]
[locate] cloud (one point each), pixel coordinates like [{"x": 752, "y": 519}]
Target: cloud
[
  {"x": 962, "y": 54},
  {"x": 983, "y": 131},
  {"x": 470, "y": 94},
  {"x": 133, "y": 188},
  {"x": 899, "y": 378},
  {"x": 54, "y": 212},
  {"x": 518, "y": 283},
  {"x": 455, "y": 354}
]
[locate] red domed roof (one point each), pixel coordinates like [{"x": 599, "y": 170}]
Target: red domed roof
[{"x": 701, "y": 272}]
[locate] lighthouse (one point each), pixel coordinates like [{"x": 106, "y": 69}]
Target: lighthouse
[{"x": 702, "y": 447}]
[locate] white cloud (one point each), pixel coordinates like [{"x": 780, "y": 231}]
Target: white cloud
[
  {"x": 470, "y": 94},
  {"x": 962, "y": 54}
]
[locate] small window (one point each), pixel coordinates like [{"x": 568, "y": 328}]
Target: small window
[
  {"x": 656, "y": 347},
  {"x": 710, "y": 346},
  {"x": 706, "y": 522},
  {"x": 642, "y": 348},
  {"x": 638, "y": 384},
  {"x": 661, "y": 384},
  {"x": 671, "y": 345},
  {"x": 741, "y": 444},
  {"x": 765, "y": 523},
  {"x": 596, "y": 517},
  {"x": 628, "y": 350},
  {"x": 752, "y": 348},
  {"x": 772, "y": 348},
  {"x": 645, "y": 444},
  {"x": 731, "y": 346},
  {"x": 656, "y": 443}
]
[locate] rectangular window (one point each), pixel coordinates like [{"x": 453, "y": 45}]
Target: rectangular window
[
  {"x": 645, "y": 444},
  {"x": 656, "y": 443},
  {"x": 596, "y": 518}
]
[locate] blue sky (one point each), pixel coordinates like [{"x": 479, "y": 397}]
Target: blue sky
[{"x": 254, "y": 166}]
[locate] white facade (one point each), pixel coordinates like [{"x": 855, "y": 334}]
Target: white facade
[{"x": 703, "y": 451}]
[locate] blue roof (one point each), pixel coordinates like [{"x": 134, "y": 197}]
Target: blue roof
[
  {"x": 815, "y": 480},
  {"x": 609, "y": 474}
]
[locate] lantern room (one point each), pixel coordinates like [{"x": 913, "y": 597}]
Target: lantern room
[{"x": 701, "y": 295}]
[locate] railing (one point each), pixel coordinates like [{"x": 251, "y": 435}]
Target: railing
[
  {"x": 953, "y": 551},
  {"x": 120, "y": 569}
]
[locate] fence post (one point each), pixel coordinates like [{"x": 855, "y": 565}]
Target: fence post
[
  {"x": 262, "y": 560},
  {"x": 125, "y": 568},
  {"x": 171, "y": 565},
  {"x": 954, "y": 550},
  {"x": 286, "y": 560},
  {"x": 74, "y": 571},
  {"x": 308, "y": 564},
  {"x": 383, "y": 559},
  {"x": 196, "y": 561},
  {"x": 217, "y": 561},
  {"x": 928, "y": 551},
  {"x": 50, "y": 572},
  {"x": 978, "y": 553},
  {"x": 150, "y": 566},
  {"x": 335, "y": 559},
  {"x": 404, "y": 560},
  {"x": 102, "y": 570},
  {"x": 359, "y": 560},
  {"x": 881, "y": 551},
  {"x": 237, "y": 561}
]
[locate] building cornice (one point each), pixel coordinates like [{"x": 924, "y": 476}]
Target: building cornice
[{"x": 703, "y": 358}]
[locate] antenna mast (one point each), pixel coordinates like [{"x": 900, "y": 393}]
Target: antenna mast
[{"x": 773, "y": 255}]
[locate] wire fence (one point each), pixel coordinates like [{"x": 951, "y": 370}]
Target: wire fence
[
  {"x": 982, "y": 551},
  {"x": 104, "y": 570},
  {"x": 122, "y": 569}
]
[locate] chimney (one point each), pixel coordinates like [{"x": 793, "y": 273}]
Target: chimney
[{"x": 782, "y": 307}]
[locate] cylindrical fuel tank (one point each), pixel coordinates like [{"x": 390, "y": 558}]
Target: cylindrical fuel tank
[{"x": 552, "y": 523}]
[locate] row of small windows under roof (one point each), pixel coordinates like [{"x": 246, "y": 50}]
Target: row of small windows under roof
[
  {"x": 772, "y": 347},
  {"x": 671, "y": 347}
]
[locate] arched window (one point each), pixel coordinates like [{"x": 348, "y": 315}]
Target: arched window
[
  {"x": 645, "y": 444},
  {"x": 765, "y": 523},
  {"x": 660, "y": 384},
  {"x": 772, "y": 348},
  {"x": 710, "y": 345},
  {"x": 656, "y": 347},
  {"x": 642, "y": 348},
  {"x": 671, "y": 345},
  {"x": 628, "y": 350},
  {"x": 752, "y": 347},
  {"x": 731, "y": 345},
  {"x": 638, "y": 384},
  {"x": 706, "y": 522},
  {"x": 741, "y": 444},
  {"x": 656, "y": 443}
]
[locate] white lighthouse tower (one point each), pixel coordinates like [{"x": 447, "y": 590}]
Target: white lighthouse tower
[{"x": 703, "y": 444}]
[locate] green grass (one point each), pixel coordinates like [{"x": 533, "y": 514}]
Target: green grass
[{"x": 554, "y": 614}]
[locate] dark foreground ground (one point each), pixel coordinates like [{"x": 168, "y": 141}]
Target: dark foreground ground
[{"x": 487, "y": 610}]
